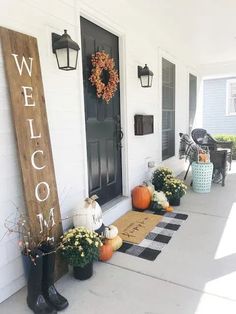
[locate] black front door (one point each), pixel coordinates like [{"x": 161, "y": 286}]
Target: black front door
[{"x": 103, "y": 130}]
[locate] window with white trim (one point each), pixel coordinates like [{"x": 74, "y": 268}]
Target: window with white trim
[
  {"x": 231, "y": 97},
  {"x": 168, "y": 109}
]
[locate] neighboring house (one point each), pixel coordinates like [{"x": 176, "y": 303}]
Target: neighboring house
[{"x": 219, "y": 105}]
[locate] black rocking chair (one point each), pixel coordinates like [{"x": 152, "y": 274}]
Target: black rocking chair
[{"x": 220, "y": 153}]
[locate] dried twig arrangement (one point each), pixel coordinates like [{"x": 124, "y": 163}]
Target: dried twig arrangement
[{"x": 29, "y": 241}]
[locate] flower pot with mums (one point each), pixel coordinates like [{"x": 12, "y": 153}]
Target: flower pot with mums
[
  {"x": 174, "y": 189},
  {"x": 80, "y": 247},
  {"x": 159, "y": 202},
  {"x": 159, "y": 176}
]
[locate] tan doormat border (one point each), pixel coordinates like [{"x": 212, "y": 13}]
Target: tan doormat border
[{"x": 134, "y": 226}]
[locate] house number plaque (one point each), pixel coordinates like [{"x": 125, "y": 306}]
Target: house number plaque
[{"x": 22, "y": 67}]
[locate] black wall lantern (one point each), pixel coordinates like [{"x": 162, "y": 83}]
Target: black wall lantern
[
  {"x": 66, "y": 51},
  {"x": 145, "y": 76}
]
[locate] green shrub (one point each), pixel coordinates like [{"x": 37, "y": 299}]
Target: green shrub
[{"x": 228, "y": 138}]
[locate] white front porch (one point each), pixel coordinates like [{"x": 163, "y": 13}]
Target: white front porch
[{"x": 196, "y": 272}]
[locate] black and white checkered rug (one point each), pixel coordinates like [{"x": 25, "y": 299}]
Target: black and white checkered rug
[{"x": 157, "y": 239}]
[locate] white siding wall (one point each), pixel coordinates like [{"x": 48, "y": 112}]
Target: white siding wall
[{"x": 64, "y": 103}]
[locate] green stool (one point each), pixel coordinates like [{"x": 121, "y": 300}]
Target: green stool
[{"x": 202, "y": 177}]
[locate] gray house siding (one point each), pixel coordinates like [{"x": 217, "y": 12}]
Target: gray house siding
[{"x": 215, "y": 120}]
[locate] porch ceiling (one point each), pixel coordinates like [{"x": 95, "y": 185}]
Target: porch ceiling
[{"x": 200, "y": 31}]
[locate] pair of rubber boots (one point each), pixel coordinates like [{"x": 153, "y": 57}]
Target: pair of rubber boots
[{"x": 43, "y": 297}]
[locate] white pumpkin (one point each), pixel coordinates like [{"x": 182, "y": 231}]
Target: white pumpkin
[
  {"x": 111, "y": 232},
  {"x": 88, "y": 215},
  {"x": 150, "y": 187}
]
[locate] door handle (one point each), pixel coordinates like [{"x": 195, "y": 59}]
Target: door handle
[
  {"x": 119, "y": 132},
  {"x": 120, "y": 136}
]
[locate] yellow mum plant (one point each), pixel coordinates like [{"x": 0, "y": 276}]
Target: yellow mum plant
[
  {"x": 80, "y": 246},
  {"x": 174, "y": 188}
]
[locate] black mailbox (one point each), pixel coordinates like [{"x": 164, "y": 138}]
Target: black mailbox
[{"x": 143, "y": 124}]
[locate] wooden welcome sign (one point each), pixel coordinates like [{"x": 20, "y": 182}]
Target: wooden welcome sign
[{"x": 24, "y": 78}]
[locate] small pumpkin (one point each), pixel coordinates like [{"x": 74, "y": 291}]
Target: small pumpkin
[
  {"x": 115, "y": 243},
  {"x": 111, "y": 232},
  {"x": 141, "y": 197},
  {"x": 165, "y": 204},
  {"x": 169, "y": 209},
  {"x": 105, "y": 252}
]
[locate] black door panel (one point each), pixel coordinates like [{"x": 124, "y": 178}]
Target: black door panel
[{"x": 102, "y": 120}]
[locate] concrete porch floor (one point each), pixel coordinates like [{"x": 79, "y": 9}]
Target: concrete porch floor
[{"x": 195, "y": 273}]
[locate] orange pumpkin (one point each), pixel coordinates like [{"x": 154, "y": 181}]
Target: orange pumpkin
[
  {"x": 105, "y": 252},
  {"x": 141, "y": 197}
]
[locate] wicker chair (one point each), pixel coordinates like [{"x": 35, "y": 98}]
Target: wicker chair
[
  {"x": 220, "y": 165},
  {"x": 220, "y": 153}
]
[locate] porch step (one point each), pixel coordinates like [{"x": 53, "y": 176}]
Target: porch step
[{"x": 115, "y": 208}]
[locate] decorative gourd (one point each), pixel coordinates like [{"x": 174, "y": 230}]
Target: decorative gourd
[
  {"x": 88, "y": 215},
  {"x": 111, "y": 232},
  {"x": 105, "y": 252},
  {"x": 115, "y": 243},
  {"x": 141, "y": 197},
  {"x": 165, "y": 204},
  {"x": 169, "y": 209}
]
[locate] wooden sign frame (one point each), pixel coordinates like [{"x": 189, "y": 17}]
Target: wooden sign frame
[{"x": 22, "y": 66}]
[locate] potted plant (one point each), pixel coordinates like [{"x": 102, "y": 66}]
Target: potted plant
[
  {"x": 159, "y": 201},
  {"x": 159, "y": 176},
  {"x": 174, "y": 189},
  {"x": 80, "y": 247}
]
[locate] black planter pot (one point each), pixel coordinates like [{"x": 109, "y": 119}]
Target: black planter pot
[
  {"x": 83, "y": 273},
  {"x": 35, "y": 298},
  {"x": 174, "y": 201},
  {"x": 26, "y": 264},
  {"x": 155, "y": 207}
]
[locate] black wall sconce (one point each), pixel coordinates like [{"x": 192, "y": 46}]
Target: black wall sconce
[
  {"x": 66, "y": 51},
  {"x": 145, "y": 76}
]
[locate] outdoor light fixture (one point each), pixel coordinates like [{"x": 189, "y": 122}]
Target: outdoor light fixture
[
  {"x": 145, "y": 76},
  {"x": 66, "y": 51}
]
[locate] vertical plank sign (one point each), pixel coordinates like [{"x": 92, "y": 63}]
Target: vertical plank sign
[{"x": 24, "y": 78}]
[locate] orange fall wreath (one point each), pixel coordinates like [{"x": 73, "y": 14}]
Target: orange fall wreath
[{"x": 101, "y": 61}]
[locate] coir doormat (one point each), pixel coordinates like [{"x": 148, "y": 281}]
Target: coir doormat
[
  {"x": 134, "y": 226},
  {"x": 157, "y": 239}
]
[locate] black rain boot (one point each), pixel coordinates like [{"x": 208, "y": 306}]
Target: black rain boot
[
  {"x": 35, "y": 298},
  {"x": 49, "y": 291}
]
